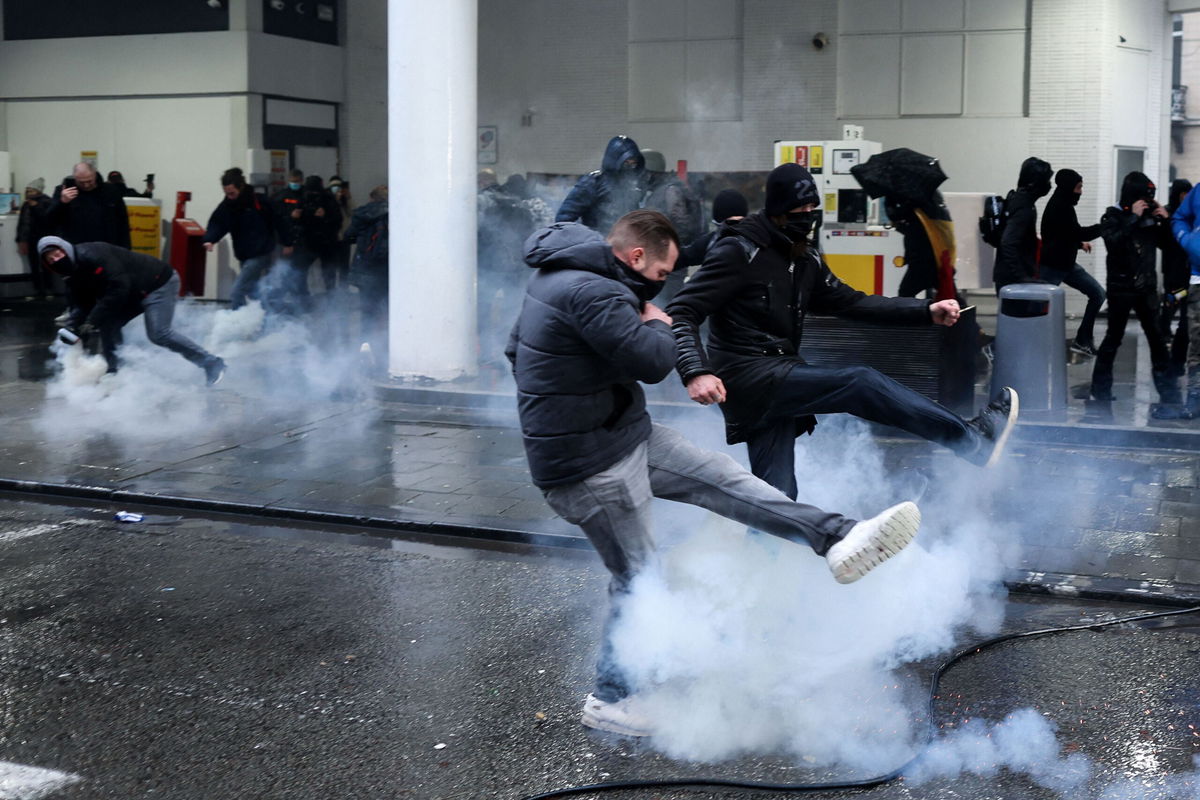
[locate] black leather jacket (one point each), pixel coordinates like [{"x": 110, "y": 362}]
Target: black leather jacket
[{"x": 755, "y": 298}]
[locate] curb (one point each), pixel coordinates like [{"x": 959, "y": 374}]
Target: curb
[
  {"x": 1058, "y": 585},
  {"x": 501, "y": 410}
]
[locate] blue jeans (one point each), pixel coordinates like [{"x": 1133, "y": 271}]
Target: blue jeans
[
  {"x": 1078, "y": 278},
  {"x": 862, "y": 391},
  {"x": 246, "y": 285},
  {"x": 613, "y": 509}
]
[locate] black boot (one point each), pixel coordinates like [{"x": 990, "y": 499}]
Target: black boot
[{"x": 1168, "y": 388}]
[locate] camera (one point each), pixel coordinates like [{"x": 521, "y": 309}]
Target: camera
[
  {"x": 149, "y": 177},
  {"x": 69, "y": 183},
  {"x": 819, "y": 41}
]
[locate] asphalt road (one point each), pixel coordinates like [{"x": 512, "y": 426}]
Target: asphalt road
[{"x": 192, "y": 658}]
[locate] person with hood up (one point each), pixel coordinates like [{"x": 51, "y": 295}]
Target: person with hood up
[
  {"x": 1132, "y": 231},
  {"x": 1176, "y": 272},
  {"x": 915, "y": 221},
  {"x": 758, "y": 282},
  {"x": 247, "y": 218},
  {"x": 107, "y": 286},
  {"x": 729, "y": 205},
  {"x": 586, "y": 336},
  {"x": 86, "y": 209},
  {"x": 599, "y": 198},
  {"x": 1062, "y": 238},
  {"x": 1017, "y": 255}
]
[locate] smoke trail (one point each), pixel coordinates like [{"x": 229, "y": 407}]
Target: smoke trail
[{"x": 277, "y": 365}]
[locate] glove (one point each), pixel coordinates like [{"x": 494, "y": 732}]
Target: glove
[{"x": 88, "y": 330}]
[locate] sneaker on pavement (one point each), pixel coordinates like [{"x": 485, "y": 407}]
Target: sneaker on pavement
[
  {"x": 994, "y": 425},
  {"x": 621, "y": 717},
  {"x": 873, "y": 541},
  {"x": 214, "y": 371},
  {"x": 1083, "y": 349}
]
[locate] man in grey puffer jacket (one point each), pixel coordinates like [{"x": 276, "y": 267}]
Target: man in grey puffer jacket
[{"x": 587, "y": 334}]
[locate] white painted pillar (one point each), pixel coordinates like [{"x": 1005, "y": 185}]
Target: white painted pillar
[{"x": 431, "y": 188}]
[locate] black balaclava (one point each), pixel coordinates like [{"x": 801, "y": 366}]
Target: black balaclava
[
  {"x": 729, "y": 203},
  {"x": 791, "y": 186},
  {"x": 1136, "y": 186},
  {"x": 1035, "y": 176},
  {"x": 1065, "y": 181},
  {"x": 64, "y": 266},
  {"x": 1179, "y": 187}
]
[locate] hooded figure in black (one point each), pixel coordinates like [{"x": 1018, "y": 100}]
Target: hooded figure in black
[
  {"x": 1133, "y": 231},
  {"x": 1062, "y": 238},
  {"x": 922, "y": 272},
  {"x": 1016, "y": 258},
  {"x": 602, "y": 197},
  {"x": 1177, "y": 273},
  {"x": 108, "y": 286},
  {"x": 755, "y": 287}
]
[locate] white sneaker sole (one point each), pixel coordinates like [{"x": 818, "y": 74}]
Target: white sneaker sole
[
  {"x": 591, "y": 719},
  {"x": 1013, "y": 410},
  {"x": 896, "y": 531}
]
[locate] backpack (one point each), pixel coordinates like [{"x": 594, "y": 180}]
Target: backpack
[
  {"x": 995, "y": 217},
  {"x": 373, "y": 245}
]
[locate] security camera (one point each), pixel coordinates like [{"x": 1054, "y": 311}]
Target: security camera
[
  {"x": 278, "y": 5},
  {"x": 819, "y": 41}
]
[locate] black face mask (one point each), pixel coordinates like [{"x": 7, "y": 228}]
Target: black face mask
[
  {"x": 798, "y": 226},
  {"x": 1075, "y": 198}
]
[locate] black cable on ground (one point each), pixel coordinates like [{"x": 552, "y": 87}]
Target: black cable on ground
[{"x": 865, "y": 783}]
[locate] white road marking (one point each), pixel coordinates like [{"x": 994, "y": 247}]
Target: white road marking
[
  {"x": 21, "y": 782},
  {"x": 36, "y": 530}
]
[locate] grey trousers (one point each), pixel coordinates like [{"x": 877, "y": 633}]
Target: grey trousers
[
  {"x": 613, "y": 509},
  {"x": 158, "y": 310}
]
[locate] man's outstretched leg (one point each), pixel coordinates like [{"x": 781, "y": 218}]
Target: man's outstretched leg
[
  {"x": 681, "y": 471},
  {"x": 871, "y": 395}
]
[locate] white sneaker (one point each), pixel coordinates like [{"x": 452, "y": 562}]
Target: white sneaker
[
  {"x": 620, "y": 717},
  {"x": 873, "y": 541}
]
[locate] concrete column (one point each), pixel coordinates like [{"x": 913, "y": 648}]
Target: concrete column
[{"x": 431, "y": 179}]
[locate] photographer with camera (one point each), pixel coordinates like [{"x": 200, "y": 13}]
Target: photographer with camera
[
  {"x": 1132, "y": 232},
  {"x": 86, "y": 209}
]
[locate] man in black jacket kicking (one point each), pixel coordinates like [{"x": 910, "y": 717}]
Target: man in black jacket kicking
[
  {"x": 755, "y": 287},
  {"x": 107, "y": 286},
  {"x": 587, "y": 334}
]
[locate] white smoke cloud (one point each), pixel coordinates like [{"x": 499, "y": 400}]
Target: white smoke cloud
[
  {"x": 276, "y": 365},
  {"x": 744, "y": 643}
]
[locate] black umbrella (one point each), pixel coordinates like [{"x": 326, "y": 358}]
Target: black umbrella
[{"x": 900, "y": 174}]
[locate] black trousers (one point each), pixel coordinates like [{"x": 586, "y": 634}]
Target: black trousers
[
  {"x": 861, "y": 391},
  {"x": 1145, "y": 307}
]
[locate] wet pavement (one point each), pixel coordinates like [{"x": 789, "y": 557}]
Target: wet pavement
[
  {"x": 1099, "y": 519},
  {"x": 188, "y": 658},
  {"x": 336, "y": 594}
]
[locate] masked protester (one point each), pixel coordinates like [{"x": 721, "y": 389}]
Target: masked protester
[
  {"x": 586, "y": 337},
  {"x": 1016, "y": 257},
  {"x": 1133, "y": 231},
  {"x": 1062, "y": 239},
  {"x": 618, "y": 187},
  {"x": 107, "y": 286},
  {"x": 754, "y": 289}
]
